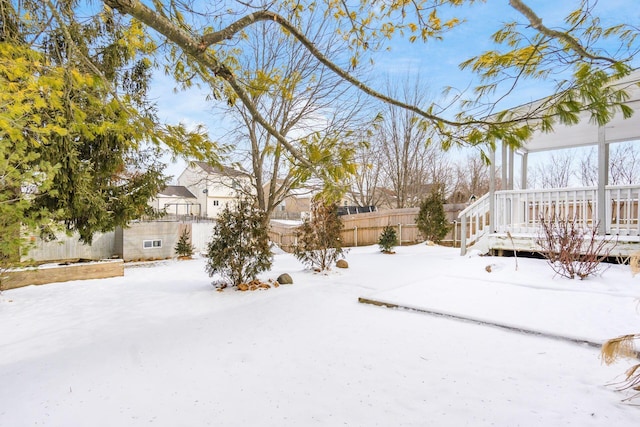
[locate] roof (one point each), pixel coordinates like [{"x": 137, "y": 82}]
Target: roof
[
  {"x": 176, "y": 191},
  {"x": 220, "y": 169},
  {"x": 585, "y": 132}
]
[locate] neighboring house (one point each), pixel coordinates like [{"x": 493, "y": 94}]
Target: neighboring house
[
  {"x": 296, "y": 205},
  {"x": 214, "y": 187},
  {"x": 176, "y": 200}
]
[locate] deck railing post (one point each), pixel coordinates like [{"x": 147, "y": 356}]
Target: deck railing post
[{"x": 463, "y": 236}]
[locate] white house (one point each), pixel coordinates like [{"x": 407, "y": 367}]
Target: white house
[
  {"x": 214, "y": 187},
  {"x": 176, "y": 200}
]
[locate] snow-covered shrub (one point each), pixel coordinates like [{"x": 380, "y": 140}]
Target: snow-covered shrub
[
  {"x": 318, "y": 238},
  {"x": 239, "y": 248},
  {"x": 432, "y": 220},
  {"x": 388, "y": 239},
  {"x": 572, "y": 250}
]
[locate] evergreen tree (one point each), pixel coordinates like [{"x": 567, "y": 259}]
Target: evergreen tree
[
  {"x": 184, "y": 248},
  {"x": 388, "y": 239},
  {"x": 239, "y": 249},
  {"x": 432, "y": 220},
  {"x": 80, "y": 141},
  {"x": 319, "y": 244}
]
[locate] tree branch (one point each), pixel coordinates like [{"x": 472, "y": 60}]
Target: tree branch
[
  {"x": 198, "y": 51},
  {"x": 265, "y": 15},
  {"x": 536, "y": 23}
]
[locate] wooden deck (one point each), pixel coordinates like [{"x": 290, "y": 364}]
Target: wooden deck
[{"x": 515, "y": 223}]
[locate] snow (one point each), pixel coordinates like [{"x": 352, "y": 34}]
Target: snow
[
  {"x": 160, "y": 346},
  {"x": 289, "y": 222}
]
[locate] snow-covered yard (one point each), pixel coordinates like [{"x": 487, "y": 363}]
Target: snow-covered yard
[{"x": 160, "y": 346}]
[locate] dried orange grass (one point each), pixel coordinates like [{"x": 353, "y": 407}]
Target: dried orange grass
[
  {"x": 624, "y": 346},
  {"x": 634, "y": 263}
]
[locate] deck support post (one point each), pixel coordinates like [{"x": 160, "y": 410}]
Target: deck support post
[
  {"x": 463, "y": 236},
  {"x": 523, "y": 172},
  {"x": 492, "y": 191},
  {"x": 603, "y": 180},
  {"x": 510, "y": 178}
]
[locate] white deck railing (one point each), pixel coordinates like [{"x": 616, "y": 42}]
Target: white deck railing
[
  {"x": 622, "y": 210},
  {"x": 474, "y": 221},
  {"x": 520, "y": 211}
]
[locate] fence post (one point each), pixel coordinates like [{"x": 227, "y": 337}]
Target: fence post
[
  {"x": 355, "y": 236},
  {"x": 400, "y": 234}
]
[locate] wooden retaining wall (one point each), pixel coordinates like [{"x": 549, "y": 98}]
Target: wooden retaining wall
[{"x": 61, "y": 273}]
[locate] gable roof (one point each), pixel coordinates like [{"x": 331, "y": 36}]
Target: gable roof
[
  {"x": 176, "y": 191},
  {"x": 220, "y": 170}
]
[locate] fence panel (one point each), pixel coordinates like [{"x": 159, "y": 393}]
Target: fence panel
[
  {"x": 69, "y": 247},
  {"x": 365, "y": 229},
  {"x": 201, "y": 233}
]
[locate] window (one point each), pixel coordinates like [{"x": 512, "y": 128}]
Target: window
[
  {"x": 151, "y": 244},
  {"x": 216, "y": 203}
]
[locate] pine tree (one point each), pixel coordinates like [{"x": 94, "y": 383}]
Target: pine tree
[
  {"x": 239, "y": 249},
  {"x": 388, "y": 239},
  {"x": 432, "y": 220},
  {"x": 184, "y": 248}
]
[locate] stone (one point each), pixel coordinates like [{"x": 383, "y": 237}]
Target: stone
[
  {"x": 284, "y": 279},
  {"x": 342, "y": 263}
]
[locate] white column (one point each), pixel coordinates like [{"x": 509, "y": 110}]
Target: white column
[
  {"x": 523, "y": 172},
  {"x": 492, "y": 190},
  {"x": 505, "y": 167},
  {"x": 603, "y": 179},
  {"x": 510, "y": 183}
]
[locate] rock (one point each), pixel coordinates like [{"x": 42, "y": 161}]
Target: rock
[
  {"x": 284, "y": 279},
  {"x": 243, "y": 287},
  {"x": 342, "y": 263}
]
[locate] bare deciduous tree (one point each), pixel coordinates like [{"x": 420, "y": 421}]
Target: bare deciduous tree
[
  {"x": 471, "y": 179},
  {"x": 298, "y": 96},
  {"x": 365, "y": 185},
  {"x": 588, "y": 168},
  {"x": 554, "y": 172},
  {"x": 411, "y": 163},
  {"x": 624, "y": 166}
]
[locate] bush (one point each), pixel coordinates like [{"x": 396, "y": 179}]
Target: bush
[
  {"x": 388, "y": 239},
  {"x": 318, "y": 238},
  {"x": 239, "y": 249},
  {"x": 183, "y": 247},
  {"x": 571, "y": 249},
  {"x": 432, "y": 220}
]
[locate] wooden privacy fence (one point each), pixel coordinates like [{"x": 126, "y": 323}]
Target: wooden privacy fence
[{"x": 365, "y": 229}]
